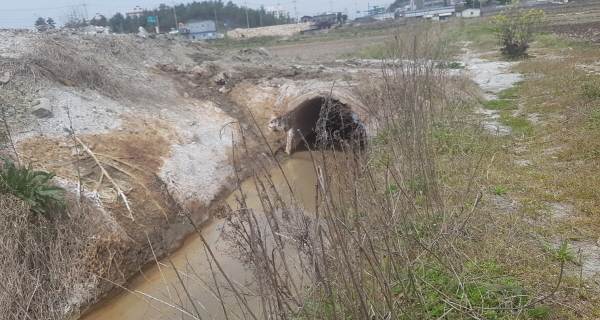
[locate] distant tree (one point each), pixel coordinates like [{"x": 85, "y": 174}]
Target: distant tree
[
  {"x": 116, "y": 22},
  {"x": 51, "y": 24},
  {"x": 41, "y": 24},
  {"x": 339, "y": 17},
  {"x": 226, "y": 12},
  {"x": 398, "y": 4},
  {"x": 103, "y": 21},
  {"x": 472, "y": 3},
  {"x": 344, "y": 17}
]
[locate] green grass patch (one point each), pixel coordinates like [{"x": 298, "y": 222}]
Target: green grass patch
[
  {"x": 590, "y": 92},
  {"x": 510, "y": 93},
  {"x": 500, "y": 190},
  {"x": 519, "y": 126},
  {"x": 500, "y": 105}
]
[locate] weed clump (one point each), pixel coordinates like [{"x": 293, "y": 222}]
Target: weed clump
[
  {"x": 515, "y": 29},
  {"x": 31, "y": 186}
]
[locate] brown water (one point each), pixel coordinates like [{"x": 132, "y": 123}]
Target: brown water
[{"x": 155, "y": 293}]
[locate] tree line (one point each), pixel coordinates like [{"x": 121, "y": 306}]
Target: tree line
[{"x": 227, "y": 15}]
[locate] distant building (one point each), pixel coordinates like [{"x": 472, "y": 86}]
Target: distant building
[
  {"x": 279, "y": 12},
  {"x": 306, "y": 19},
  {"x": 200, "y": 30},
  {"x": 469, "y": 13},
  {"x": 137, "y": 12},
  {"x": 431, "y": 13},
  {"x": 324, "y": 21},
  {"x": 383, "y": 16}
]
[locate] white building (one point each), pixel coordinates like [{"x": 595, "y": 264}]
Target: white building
[
  {"x": 431, "y": 13},
  {"x": 137, "y": 12},
  {"x": 200, "y": 30},
  {"x": 469, "y": 13},
  {"x": 279, "y": 12}
]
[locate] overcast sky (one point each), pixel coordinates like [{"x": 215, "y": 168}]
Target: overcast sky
[{"x": 22, "y": 14}]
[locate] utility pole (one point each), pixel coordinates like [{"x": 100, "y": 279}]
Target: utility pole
[
  {"x": 175, "y": 13},
  {"x": 260, "y": 14},
  {"x": 247, "y": 20},
  {"x": 331, "y": 4},
  {"x": 216, "y": 21},
  {"x": 295, "y": 11}
]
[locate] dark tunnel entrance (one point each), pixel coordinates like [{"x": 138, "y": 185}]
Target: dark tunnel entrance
[{"x": 323, "y": 123}]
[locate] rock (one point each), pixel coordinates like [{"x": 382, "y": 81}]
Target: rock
[
  {"x": 198, "y": 70},
  {"x": 67, "y": 82},
  {"x": 44, "y": 109},
  {"x": 220, "y": 78},
  {"x": 224, "y": 89},
  {"x": 186, "y": 95},
  {"x": 264, "y": 52},
  {"x": 5, "y": 77},
  {"x": 63, "y": 144},
  {"x": 191, "y": 84},
  {"x": 142, "y": 32}
]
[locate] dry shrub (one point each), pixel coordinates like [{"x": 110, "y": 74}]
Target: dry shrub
[{"x": 48, "y": 260}]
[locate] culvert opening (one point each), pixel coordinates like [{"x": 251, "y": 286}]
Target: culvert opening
[{"x": 321, "y": 122}]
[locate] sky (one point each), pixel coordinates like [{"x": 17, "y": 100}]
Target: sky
[{"x": 22, "y": 14}]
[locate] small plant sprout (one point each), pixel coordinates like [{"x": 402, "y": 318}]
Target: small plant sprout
[
  {"x": 500, "y": 190},
  {"x": 562, "y": 253}
]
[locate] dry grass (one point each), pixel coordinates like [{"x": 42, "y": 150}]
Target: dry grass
[
  {"x": 50, "y": 262},
  {"x": 91, "y": 63}
]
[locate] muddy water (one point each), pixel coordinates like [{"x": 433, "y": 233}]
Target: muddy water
[{"x": 155, "y": 293}]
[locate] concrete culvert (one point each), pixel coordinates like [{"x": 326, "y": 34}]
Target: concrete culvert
[{"x": 323, "y": 122}]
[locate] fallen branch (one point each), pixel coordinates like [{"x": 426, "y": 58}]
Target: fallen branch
[{"x": 104, "y": 173}]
